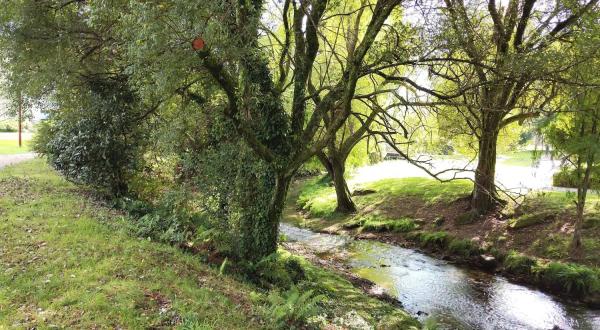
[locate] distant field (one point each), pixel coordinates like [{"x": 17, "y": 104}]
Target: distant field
[{"x": 9, "y": 143}]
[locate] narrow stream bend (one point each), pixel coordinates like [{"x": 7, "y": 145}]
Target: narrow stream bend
[{"x": 457, "y": 298}]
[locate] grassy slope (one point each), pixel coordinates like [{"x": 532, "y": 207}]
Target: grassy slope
[{"x": 69, "y": 262}]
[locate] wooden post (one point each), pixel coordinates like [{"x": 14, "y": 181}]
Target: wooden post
[{"x": 20, "y": 120}]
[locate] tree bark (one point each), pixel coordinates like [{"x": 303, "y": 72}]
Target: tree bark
[
  {"x": 344, "y": 201},
  {"x": 326, "y": 163},
  {"x": 485, "y": 197}
]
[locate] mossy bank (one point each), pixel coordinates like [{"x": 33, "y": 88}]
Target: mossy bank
[{"x": 529, "y": 245}]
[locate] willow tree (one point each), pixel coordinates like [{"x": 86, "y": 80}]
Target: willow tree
[{"x": 500, "y": 61}]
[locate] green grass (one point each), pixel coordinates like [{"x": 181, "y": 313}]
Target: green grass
[
  {"x": 318, "y": 198},
  {"x": 69, "y": 262},
  {"x": 11, "y": 147},
  {"x": 556, "y": 202}
]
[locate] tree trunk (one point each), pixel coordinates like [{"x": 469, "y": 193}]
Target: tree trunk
[
  {"x": 20, "y": 120},
  {"x": 582, "y": 190},
  {"x": 344, "y": 201},
  {"x": 326, "y": 163},
  {"x": 485, "y": 197},
  {"x": 260, "y": 227}
]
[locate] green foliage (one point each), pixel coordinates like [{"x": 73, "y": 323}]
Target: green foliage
[
  {"x": 438, "y": 239},
  {"x": 173, "y": 220},
  {"x": 381, "y": 224},
  {"x": 290, "y": 309},
  {"x": 97, "y": 139},
  {"x": 570, "y": 278},
  {"x": 517, "y": 263},
  {"x": 567, "y": 177},
  {"x": 89, "y": 261},
  {"x": 278, "y": 270},
  {"x": 530, "y": 219},
  {"x": 463, "y": 247}
]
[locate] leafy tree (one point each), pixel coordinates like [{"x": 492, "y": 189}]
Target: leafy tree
[
  {"x": 498, "y": 66},
  {"x": 575, "y": 135},
  {"x": 282, "y": 132}
]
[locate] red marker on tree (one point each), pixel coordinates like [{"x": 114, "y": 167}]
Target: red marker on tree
[{"x": 198, "y": 43}]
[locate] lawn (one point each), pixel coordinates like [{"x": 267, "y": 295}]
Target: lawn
[
  {"x": 70, "y": 262},
  {"x": 9, "y": 143}
]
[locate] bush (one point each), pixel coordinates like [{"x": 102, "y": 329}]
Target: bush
[
  {"x": 95, "y": 138},
  {"x": 438, "y": 239},
  {"x": 278, "y": 271},
  {"x": 517, "y": 263},
  {"x": 172, "y": 221},
  {"x": 567, "y": 177},
  {"x": 291, "y": 309},
  {"x": 464, "y": 247},
  {"x": 570, "y": 278}
]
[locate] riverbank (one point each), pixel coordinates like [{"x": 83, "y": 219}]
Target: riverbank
[
  {"x": 69, "y": 261},
  {"x": 528, "y": 245}
]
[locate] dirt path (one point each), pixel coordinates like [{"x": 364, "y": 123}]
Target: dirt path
[{"x": 13, "y": 159}]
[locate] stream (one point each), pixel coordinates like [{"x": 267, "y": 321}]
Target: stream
[{"x": 456, "y": 297}]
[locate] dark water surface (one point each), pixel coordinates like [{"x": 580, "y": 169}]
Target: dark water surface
[{"x": 456, "y": 297}]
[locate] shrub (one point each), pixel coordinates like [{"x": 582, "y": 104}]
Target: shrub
[
  {"x": 463, "y": 247},
  {"x": 290, "y": 309},
  {"x": 278, "y": 270},
  {"x": 567, "y": 177},
  {"x": 517, "y": 263},
  {"x": 437, "y": 239},
  {"x": 96, "y": 138},
  {"x": 570, "y": 278},
  {"x": 172, "y": 221}
]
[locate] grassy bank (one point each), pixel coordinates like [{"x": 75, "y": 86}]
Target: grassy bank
[
  {"x": 431, "y": 215},
  {"x": 70, "y": 262}
]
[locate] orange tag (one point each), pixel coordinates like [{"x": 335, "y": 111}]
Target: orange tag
[{"x": 198, "y": 43}]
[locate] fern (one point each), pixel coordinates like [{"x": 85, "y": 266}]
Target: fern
[{"x": 292, "y": 308}]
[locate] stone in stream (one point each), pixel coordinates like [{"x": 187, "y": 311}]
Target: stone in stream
[{"x": 488, "y": 261}]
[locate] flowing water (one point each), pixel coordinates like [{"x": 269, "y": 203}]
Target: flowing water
[{"x": 456, "y": 297}]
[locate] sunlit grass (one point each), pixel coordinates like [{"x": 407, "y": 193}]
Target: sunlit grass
[
  {"x": 70, "y": 263},
  {"x": 11, "y": 147}
]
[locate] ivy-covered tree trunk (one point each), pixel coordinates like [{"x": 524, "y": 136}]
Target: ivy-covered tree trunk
[{"x": 485, "y": 197}]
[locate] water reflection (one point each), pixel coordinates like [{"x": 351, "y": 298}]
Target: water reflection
[{"x": 457, "y": 298}]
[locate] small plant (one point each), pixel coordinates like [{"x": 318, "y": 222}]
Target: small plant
[
  {"x": 437, "y": 239},
  {"x": 530, "y": 219},
  {"x": 291, "y": 309},
  {"x": 518, "y": 263},
  {"x": 463, "y": 247},
  {"x": 570, "y": 278},
  {"x": 279, "y": 271}
]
